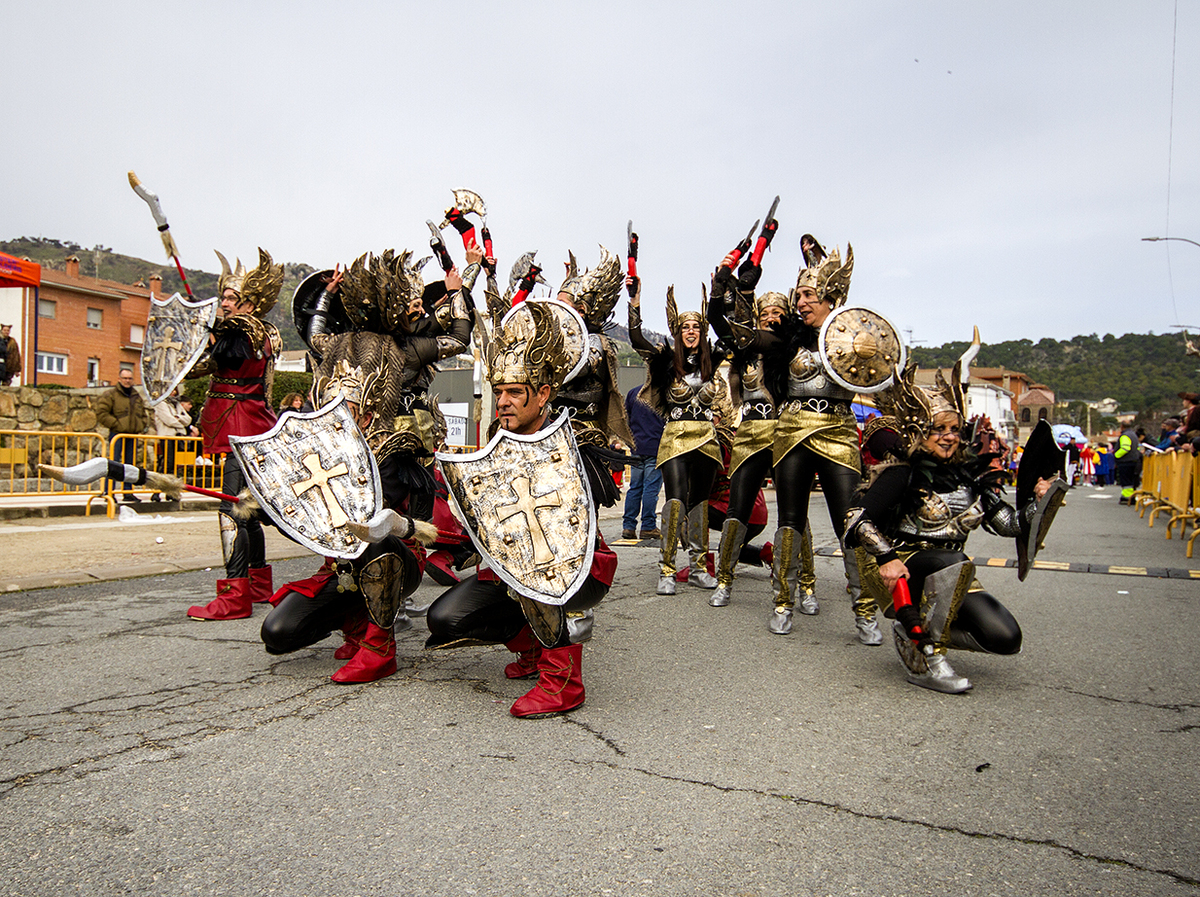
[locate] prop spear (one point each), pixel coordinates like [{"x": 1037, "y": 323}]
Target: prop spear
[
  {"x": 164, "y": 229},
  {"x": 98, "y": 468}
]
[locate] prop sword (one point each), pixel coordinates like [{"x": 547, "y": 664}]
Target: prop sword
[
  {"x": 164, "y": 229},
  {"x": 438, "y": 245},
  {"x": 766, "y": 236},
  {"x": 743, "y": 247},
  {"x": 632, "y": 240}
]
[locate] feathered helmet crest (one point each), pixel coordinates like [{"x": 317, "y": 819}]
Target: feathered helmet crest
[
  {"x": 378, "y": 289},
  {"x": 676, "y": 318},
  {"x": 829, "y": 277},
  {"x": 260, "y": 287},
  {"x": 594, "y": 293}
]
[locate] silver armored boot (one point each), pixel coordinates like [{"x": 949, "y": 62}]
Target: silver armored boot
[
  {"x": 808, "y": 575},
  {"x": 865, "y": 624},
  {"x": 733, "y": 535},
  {"x": 784, "y": 570},
  {"x": 672, "y": 518},
  {"x": 927, "y": 668},
  {"x": 697, "y": 523}
]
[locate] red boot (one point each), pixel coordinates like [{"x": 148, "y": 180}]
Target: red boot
[
  {"x": 261, "y": 587},
  {"x": 439, "y": 566},
  {"x": 232, "y": 602},
  {"x": 559, "y": 687},
  {"x": 354, "y": 627},
  {"x": 528, "y": 649},
  {"x": 375, "y": 659},
  {"x": 767, "y": 554}
]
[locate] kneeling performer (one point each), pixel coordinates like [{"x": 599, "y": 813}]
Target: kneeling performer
[{"x": 526, "y": 499}]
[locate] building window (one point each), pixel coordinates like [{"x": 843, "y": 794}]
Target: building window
[
  {"x": 137, "y": 334},
  {"x": 1042, "y": 414},
  {"x": 95, "y": 318},
  {"x": 1025, "y": 415},
  {"x": 47, "y": 308},
  {"x": 93, "y": 373},
  {"x": 51, "y": 363}
]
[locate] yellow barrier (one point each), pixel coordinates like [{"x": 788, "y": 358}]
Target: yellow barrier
[
  {"x": 179, "y": 456},
  {"x": 21, "y": 451}
]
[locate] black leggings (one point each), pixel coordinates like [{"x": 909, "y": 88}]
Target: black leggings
[
  {"x": 988, "y": 623},
  {"x": 689, "y": 478},
  {"x": 299, "y": 621},
  {"x": 481, "y": 610},
  {"x": 745, "y": 484},
  {"x": 794, "y": 481},
  {"x": 249, "y": 547}
]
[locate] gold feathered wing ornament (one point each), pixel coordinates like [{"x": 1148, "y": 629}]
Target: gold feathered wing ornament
[
  {"x": 600, "y": 288},
  {"x": 262, "y": 284},
  {"x": 672, "y": 312}
]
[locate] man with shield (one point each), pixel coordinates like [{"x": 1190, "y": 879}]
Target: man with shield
[
  {"x": 360, "y": 591},
  {"x": 527, "y": 501},
  {"x": 241, "y": 359}
]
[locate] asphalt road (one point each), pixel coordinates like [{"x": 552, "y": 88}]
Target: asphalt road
[{"x": 142, "y": 753}]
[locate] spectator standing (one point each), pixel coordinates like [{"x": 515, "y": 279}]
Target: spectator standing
[
  {"x": 10, "y": 355},
  {"x": 170, "y": 420},
  {"x": 1191, "y": 421},
  {"x": 1128, "y": 456},
  {"x": 121, "y": 411},
  {"x": 645, "y": 479}
]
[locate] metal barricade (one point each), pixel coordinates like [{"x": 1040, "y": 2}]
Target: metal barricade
[
  {"x": 178, "y": 456},
  {"x": 21, "y": 451}
]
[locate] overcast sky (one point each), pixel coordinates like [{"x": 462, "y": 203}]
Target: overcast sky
[{"x": 991, "y": 163}]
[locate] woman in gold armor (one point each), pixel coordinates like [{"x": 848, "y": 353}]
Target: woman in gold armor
[{"x": 684, "y": 387}]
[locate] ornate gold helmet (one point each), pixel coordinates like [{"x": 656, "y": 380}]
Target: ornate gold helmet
[
  {"x": 829, "y": 278},
  {"x": 594, "y": 293},
  {"x": 915, "y": 407},
  {"x": 770, "y": 300},
  {"x": 676, "y": 318},
  {"x": 260, "y": 287},
  {"x": 347, "y": 381},
  {"x": 528, "y": 349}
]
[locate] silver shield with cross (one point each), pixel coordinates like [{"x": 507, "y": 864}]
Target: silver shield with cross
[
  {"x": 176, "y": 336},
  {"x": 528, "y": 508},
  {"x": 313, "y": 473}
]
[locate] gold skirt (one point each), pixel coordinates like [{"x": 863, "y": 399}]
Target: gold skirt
[
  {"x": 832, "y": 436},
  {"x": 753, "y": 436},
  {"x": 682, "y": 436}
]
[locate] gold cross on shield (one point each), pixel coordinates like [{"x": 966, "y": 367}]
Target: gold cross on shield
[
  {"x": 528, "y": 505},
  {"x": 320, "y": 480},
  {"x": 164, "y": 345}
]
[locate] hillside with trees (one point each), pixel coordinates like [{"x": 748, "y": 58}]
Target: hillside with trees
[{"x": 1143, "y": 372}]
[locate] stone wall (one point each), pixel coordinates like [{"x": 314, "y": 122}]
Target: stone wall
[{"x": 30, "y": 408}]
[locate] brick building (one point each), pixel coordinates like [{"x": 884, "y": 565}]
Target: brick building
[{"x": 84, "y": 331}]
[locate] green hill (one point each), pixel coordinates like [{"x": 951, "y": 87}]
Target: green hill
[
  {"x": 105, "y": 264},
  {"x": 1143, "y": 372}
]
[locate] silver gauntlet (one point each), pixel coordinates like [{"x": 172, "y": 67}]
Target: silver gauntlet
[{"x": 866, "y": 533}]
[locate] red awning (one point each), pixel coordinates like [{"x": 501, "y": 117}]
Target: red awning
[{"x": 16, "y": 273}]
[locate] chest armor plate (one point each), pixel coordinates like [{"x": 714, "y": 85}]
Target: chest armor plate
[
  {"x": 944, "y": 515},
  {"x": 806, "y": 378}
]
